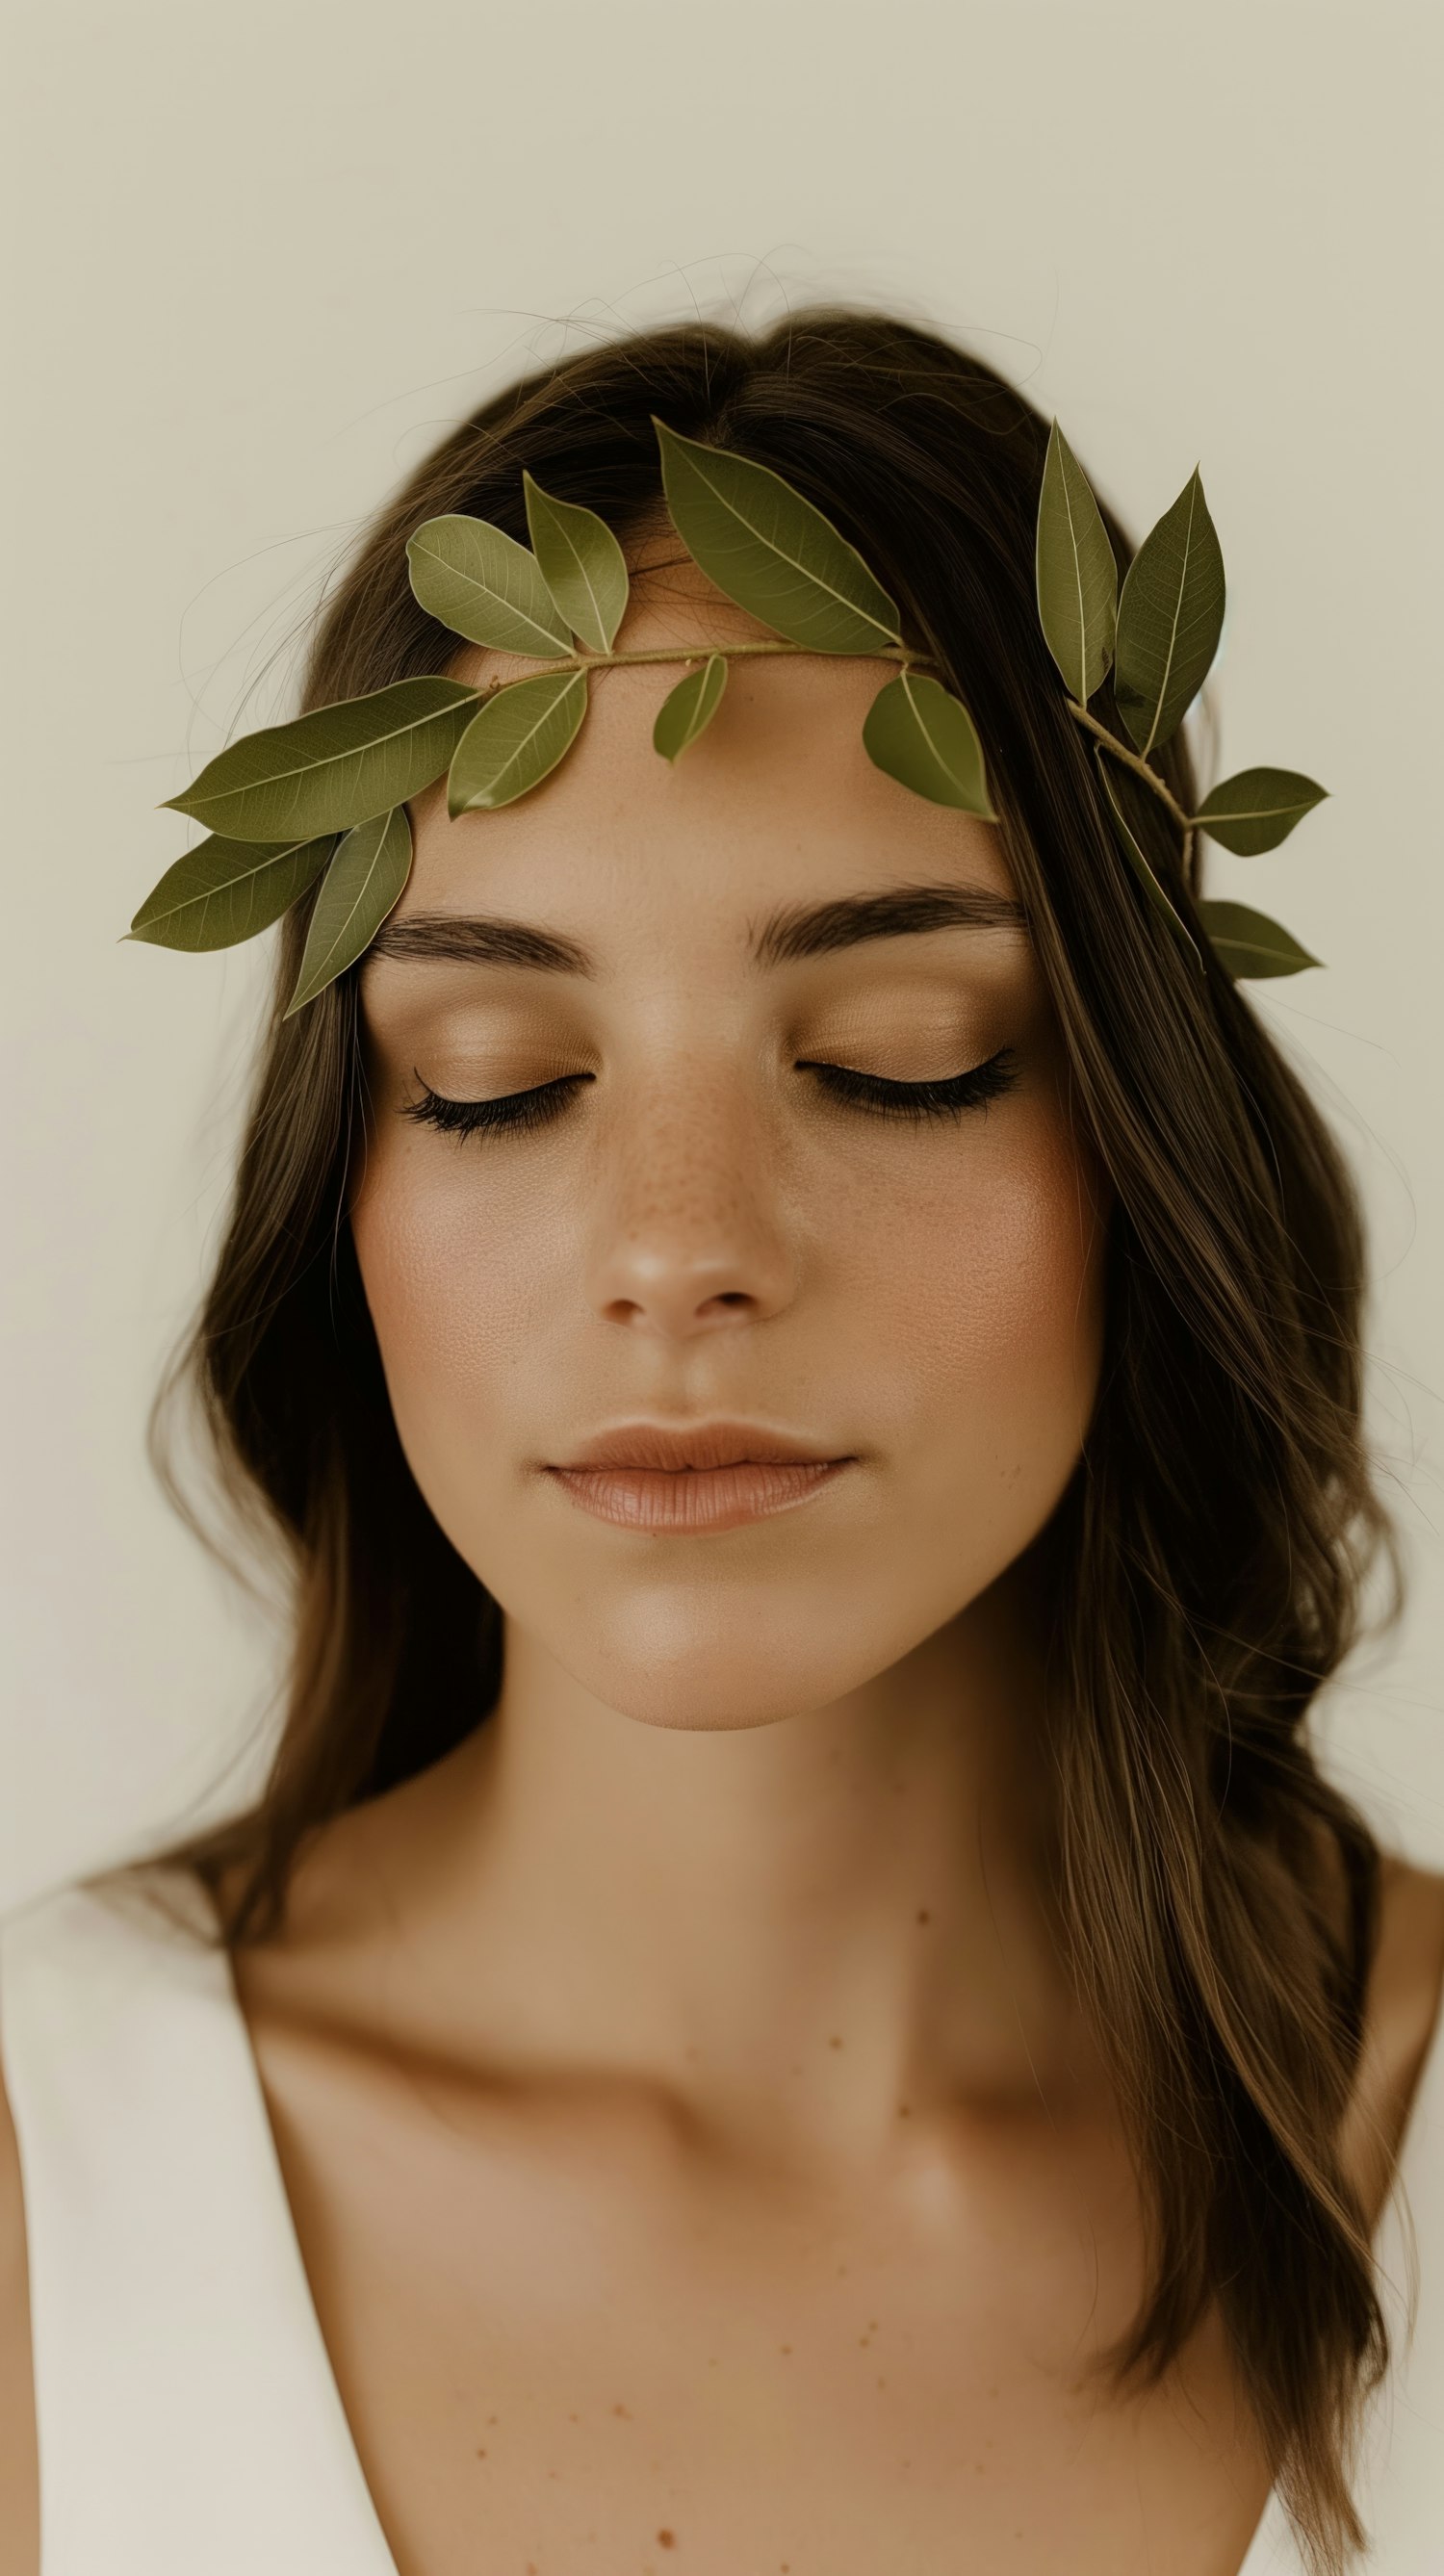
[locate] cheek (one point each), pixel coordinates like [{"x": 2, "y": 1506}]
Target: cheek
[
  {"x": 461, "y": 1283},
  {"x": 987, "y": 1287},
  {"x": 1008, "y": 1271}
]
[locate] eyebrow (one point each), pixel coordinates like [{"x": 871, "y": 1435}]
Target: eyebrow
[{"x": 791, "y": 932}]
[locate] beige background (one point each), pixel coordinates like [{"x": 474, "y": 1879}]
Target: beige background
[{"x": 261, "y": 257}]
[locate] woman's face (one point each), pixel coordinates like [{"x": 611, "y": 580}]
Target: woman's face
[{"x": 697, "y": 1224}]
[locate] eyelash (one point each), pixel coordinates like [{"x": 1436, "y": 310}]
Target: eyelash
[{"x": 516, "y": 1111}]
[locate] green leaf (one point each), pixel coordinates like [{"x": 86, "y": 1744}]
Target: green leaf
[
  {"x": 1248, "y": 943},
  {"x": 360, "y": 887},
  {"x": 1170, "y": 616},
  {"x": 923, "y": 736},
  {"x": 337, "y": 766},
  {"x": 688, "y": 709},
  {"x": 771, "y": 551},
  {"x": 1133, "y": 851},
  {"x": 581, "y": 562},
  {"x": 519, "y": 737},
  {"x": 1076, "y": 573},
  {"x": 222, "y": 891},
  {"x": 483, "y": 585},
  {"x": 1258, "y": 809}
]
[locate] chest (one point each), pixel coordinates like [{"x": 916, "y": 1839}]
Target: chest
[{"x": 570, "y": 2337}]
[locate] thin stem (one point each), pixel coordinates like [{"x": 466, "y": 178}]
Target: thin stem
[
  {"x": 1133, "y": 761},
  {"x": 703, "y": 653}
]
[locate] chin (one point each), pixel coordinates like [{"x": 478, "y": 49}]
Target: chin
[
  {"x": 707, "y": 1659},
  {"x": 710, "y": 1656}
]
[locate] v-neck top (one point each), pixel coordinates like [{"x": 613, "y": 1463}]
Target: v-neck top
[{"x": 188, "y": 2417}]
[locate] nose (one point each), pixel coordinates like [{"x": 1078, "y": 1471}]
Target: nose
[{"x": 690, "y": 1232}]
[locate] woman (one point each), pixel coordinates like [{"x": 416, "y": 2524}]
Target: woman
[{"x": 795, "y": 2000}]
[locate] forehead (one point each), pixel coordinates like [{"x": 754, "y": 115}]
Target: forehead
[{"x": 777, "y": 801}]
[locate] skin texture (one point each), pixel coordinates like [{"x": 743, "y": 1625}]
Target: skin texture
[
  {"x": 703, "y": 1230},
  {"x": 696, "y": 2153}
]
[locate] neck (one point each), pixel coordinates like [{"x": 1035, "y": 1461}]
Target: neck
[{"x": 811, "y": 1930}]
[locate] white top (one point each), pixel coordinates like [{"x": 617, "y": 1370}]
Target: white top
[{"x": 187, "y": 2413}]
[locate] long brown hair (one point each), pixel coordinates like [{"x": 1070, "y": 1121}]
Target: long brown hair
[{"x": 1203, "y": 1572}]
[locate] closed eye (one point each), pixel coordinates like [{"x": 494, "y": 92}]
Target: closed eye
[
  {"x": 510, "y": 1109},
  {"x": 872, "y": 1093},
  {"x": 947, "y": 1098}
]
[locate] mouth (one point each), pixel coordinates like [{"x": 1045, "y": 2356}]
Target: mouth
[{"x": 708, "y": 1476}]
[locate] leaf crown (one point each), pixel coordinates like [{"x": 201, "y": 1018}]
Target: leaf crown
[{"x": 325, "y": 796}]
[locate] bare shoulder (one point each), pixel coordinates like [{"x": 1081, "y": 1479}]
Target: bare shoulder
[
  {"x": 1406, "y": 1995},
  {"x": 19, "y": 2482},
  {"x": 1408, "y": 1969}
]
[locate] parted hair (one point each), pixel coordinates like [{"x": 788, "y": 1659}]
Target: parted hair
[{"x": 1202, "y": 1575}]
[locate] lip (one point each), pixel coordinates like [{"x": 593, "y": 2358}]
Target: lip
[{"x": 683, "y": 1479}]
